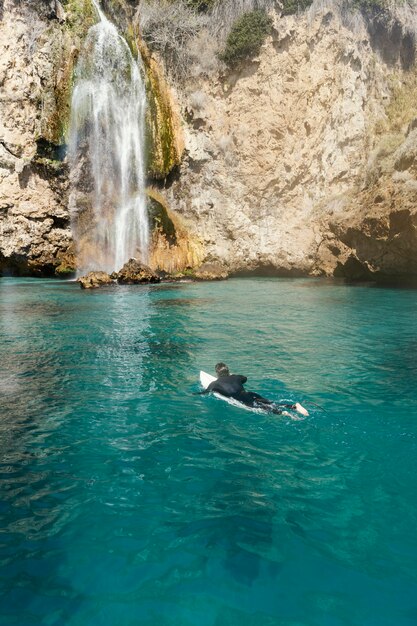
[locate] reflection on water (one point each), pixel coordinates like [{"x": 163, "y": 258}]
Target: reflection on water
[
  {"x": 126, "y": 499},
  {"x": 180, "y": 302}
]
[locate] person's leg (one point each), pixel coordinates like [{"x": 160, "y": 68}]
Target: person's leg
[
  {"x": 258, "y": 402},
  {"x": 246, "y": 397},
  {"x": 258, "y": 399}
]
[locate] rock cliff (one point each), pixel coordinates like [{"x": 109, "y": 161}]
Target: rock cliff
[
  {"x": 37, "y": 53},
  {"x": 301, "y": 161}
]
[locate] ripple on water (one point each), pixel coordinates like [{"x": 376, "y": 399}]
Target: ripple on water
[{"x": 125, "y": 499}]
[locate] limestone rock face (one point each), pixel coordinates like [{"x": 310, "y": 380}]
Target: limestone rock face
[
  {"x": 35, "y": 232},
  {"x": 211, "y": 271},
  {"x": 133, "y": 272},
  {"x": 272, "y": 148},
  {"x": 294, "y": 163},
  {"x": 92, "y": 280},
  {"x": 374, "y": 234}
]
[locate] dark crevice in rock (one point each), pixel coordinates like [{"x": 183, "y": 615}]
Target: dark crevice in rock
[
  {"x": 196, "y": 166},
  {"x": 167, "y": 182},
  {"x": 159, "y": 218},
  {"x": 61, "y": 222},
  {"x": 352, "y": 269},
  {"x": 19, "y": 265},
  {"x": 400, "y": 222},
  {"x": 390, "y": 40},
  {"x": 47, "y": 150},
  {"x": 52, "y": 171},
  {"x": 198, "y": 123},
  {"x": 16, "y": 154},
  {"x": 269, "y": 270},
  {"x": 24, "y": 176}
]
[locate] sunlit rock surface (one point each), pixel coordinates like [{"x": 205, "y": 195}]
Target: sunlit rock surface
[
  {"x": 93, "y": 280},
  {"x": 37, "y": 52},
  {"x": 281, "y": 162},
  {"x": 302, "y": 161},
  {"x": 133, "y": 272}
]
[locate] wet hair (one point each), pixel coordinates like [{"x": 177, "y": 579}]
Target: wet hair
[{"x": 222, "y": 369}]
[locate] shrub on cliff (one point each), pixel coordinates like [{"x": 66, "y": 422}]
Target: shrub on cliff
[
  {"x": 168, "y": 26},
  {"x": 246, "y": 37},
  {"x": 225, "y": 13},
  {"x": 289, "y": 7},
  {"x": 201, "y": 5}
]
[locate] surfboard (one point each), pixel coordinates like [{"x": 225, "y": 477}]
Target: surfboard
[{"x": 206, "y": 379}]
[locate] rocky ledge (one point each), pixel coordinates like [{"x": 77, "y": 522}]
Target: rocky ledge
[
  {"x": 135, "y": 273},
  {"x": 132, "y": 273},
  {"x": 92, "y": 280}
]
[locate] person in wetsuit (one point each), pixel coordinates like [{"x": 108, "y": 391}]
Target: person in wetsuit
[{"x": 231, "y": 386}]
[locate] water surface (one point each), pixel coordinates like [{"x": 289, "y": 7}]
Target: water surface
[{"x": 125, "y": 499}]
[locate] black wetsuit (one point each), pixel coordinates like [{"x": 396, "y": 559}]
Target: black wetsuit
[{"x": 232, "y": 387}]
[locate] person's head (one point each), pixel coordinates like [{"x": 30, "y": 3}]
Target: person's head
[{"x": 222, "y": 369}]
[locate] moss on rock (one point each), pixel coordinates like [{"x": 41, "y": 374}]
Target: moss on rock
[
  {"x": 163, "y": 134},
  {"x": 80, "y": 16},
  {"x": 400, "y": 110},
  {"x": 174, "y": 249},
  {"x": 66, "y": 263},
  {"x": 65, "y": 41}
]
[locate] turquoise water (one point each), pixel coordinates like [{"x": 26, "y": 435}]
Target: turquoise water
[{"x": 126, "y": 500}]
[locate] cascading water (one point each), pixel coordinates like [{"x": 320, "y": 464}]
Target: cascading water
[{"x": 106, "y": 152}]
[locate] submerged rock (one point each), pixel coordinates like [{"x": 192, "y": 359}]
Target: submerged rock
[
  {"x": 92, "y": 280},
  {"x": 133, "y": 272},
  {"x": 211, "y": 271}
]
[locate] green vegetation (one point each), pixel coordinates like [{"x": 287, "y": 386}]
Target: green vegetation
[
  {"x": 131, "y": 37},
  {"x": 81, "y": 14},
  {"x": 401, "y": 108},
  {"x": 65, "y": 40},
  {"x": 295, "y": 6},
  {"x": 246, "y": 37},
  {"x": 162, "y": 155},
  {"x": 201, "y": 6},
  {"x": 369, "y": 5},
  {"x": 65, "y": 271}
]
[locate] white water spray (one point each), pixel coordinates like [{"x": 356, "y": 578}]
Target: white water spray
[{"x": 106, "y": 152}]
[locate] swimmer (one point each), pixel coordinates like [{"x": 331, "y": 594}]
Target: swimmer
[{"x": 231, "y": 386}]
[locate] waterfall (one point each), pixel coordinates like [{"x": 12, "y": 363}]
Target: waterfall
[{"x": 106, "y": 152}]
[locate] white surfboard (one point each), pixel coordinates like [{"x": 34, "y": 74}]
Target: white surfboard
[{"x": 206, "y": 379}]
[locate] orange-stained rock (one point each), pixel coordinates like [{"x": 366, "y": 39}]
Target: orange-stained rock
[{"x": 133, "y": 272}]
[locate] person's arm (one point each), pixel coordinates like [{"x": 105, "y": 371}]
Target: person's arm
[
  {"x": 210, "y": 388},
  {"x": 243, "y": 379}
]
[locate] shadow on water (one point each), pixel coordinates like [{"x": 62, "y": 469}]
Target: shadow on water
[{"x": 180, "y": 302}]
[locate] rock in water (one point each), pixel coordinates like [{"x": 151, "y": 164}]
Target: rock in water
[
  {"x": 92, "y": 280},
  {"x": 133, "y": 273},
  {"x": 211, "y": 271}
]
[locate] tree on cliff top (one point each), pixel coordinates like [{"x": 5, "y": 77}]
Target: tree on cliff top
[{"x": 246, "y": 37}]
